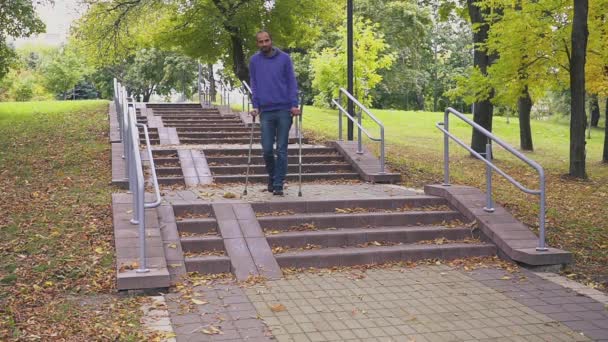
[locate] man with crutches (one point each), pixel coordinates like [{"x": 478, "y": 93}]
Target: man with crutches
[{"x": 275, "y": 99}]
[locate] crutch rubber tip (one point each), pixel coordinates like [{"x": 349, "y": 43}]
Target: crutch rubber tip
[
  {"x": 300, "y": 194},
  {"x": 245, "y": 192}
]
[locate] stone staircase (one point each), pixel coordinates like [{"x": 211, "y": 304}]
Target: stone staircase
[
  {"x": 356, "y": 232},
  {"x": 168, "y": 167},
  {"x": 201, "y": 243},
  {"x": 331, "y": 233},
  {"x": 229, "y": 165},
  {"x": 204, "y": 126}
]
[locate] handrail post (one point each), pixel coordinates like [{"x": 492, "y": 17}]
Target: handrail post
[
  {"x": 446, "y": 149},
  {"x": 382, "y": 156},
  {"x": 359, "y": 142},
  {"x": 142, "y": 228},
  {"x": 541, "y": 216},
  {"x": 489, "y": 203},
  {"x": 340, "y": 118}
]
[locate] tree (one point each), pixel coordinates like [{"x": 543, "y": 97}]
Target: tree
[
  {"x": 209, "y": 30},
  {"x": 580, "y": 34},
  {"x": 406, "y": 26},
  {"x": 329, "y": 65},
  {"x": 595, "y": 110},
  {"x": 146, "y": 72},
  {"x": 605, "y": 154},
  {"x": 63, "y": 72},
  {"x": 483, "y": 110},
  {"x": 19, "y": 19}
]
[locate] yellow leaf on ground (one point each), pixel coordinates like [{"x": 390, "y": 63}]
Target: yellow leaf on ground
[
  {"x": 278, "y": 308},
  {"x": 211, "y": 330},
  {"x": 505, "y": 278},
  {"x": 199, "y": 302}
]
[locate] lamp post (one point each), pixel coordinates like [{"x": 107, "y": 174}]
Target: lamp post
[{"x": 350, "y": 64}]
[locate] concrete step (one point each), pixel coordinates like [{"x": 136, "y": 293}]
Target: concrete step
[
  {"x": 164, "y": 154},
  {"x": 292, "y": 159},
  {"x": 202, "y": 243},
  {"x": 215, "y": 129},
  {"x": 213, "y": 125},
  {"x": 356, "y": 236},
  {"x": 171, "y": 180},
  {"x": 218, "y": 135},
  {"x": 350, "y": 256},
  {"x": 209, "y": 264},
  {"x": 197, "y": 226},
  {"x": 359, "y": 220},
  {"x": 202, "y": 120},
  {"x": 256, "y": 150},
  {"x": 333, "y": 206},
  {"x": 293, "y": 168},
  {"x": 168, "y": 171},
  {"x": 166, "y": 161},
  {"x": 236, "y": 141},
  {"x": 197, "y": 117},
  {"x": 291, "y": 177}
]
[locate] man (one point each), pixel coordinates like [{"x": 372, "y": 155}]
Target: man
[{"x": 275, "y": 99}]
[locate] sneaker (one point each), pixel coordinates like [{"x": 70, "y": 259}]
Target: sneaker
[
  {"x": 270, "y": 186},
  {"x": 278, "y": 191}
]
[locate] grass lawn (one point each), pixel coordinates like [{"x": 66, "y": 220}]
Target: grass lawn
[
  {"x": 576, "y": 210},
  {"x": 56, "y": 256}
]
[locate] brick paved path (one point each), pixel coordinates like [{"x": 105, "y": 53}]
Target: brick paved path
[{"x": 425, "y": 303}]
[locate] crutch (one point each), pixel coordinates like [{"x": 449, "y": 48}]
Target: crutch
[
  {"x": 249, "y": 157},
  {"x": 299, "y": 130}
]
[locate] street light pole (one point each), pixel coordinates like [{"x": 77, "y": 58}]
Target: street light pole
[{"x": 350, "y": 64}]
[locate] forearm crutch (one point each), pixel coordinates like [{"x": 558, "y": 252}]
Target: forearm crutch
[
  {"x": 249, "y": 156},
  {"x": 299, "y": 130}
]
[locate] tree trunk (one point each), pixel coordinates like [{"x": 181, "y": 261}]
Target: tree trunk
[
  {"x": 524, "y": 106},
  {"x": 595, "y": 111},
  {"x": 241, "y": 69},
  {"x": 605, "y": 154},
  {"x": 484, "y": 109},
  {"x": 578, "y": 120},
  {"x": 147, "y": 93},
  {"x": 211, "y": 79}
]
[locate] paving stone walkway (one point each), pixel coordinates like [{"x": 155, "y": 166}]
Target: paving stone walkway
[{"x": 423, "y": 303}]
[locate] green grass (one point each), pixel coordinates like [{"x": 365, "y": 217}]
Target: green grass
[
  {"x": 417, "y": 129},
  {"x": 22, "y": 110},
  {"x": 56, "y": 224}
]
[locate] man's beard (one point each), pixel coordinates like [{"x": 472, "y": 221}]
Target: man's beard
[{"x": 266, "y": 49}]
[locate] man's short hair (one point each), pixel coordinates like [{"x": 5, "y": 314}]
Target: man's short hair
[{"x": 263, "y": 31}]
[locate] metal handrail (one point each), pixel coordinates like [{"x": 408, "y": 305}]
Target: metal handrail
[
  {"x": 134, "y": 167},
  {"x": 360, "y": 126},
  {"x": 158, "y": 200},
  {"x": 248, "y": 94},
  {"x": 225, "y": 97},
  {"x": 444, "y": 127}
]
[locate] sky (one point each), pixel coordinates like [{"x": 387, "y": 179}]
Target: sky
[{"x": 58, "y": 18}]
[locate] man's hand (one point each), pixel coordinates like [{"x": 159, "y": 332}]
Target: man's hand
[
  {"x": 254, "y": 112},
  {"x": 295, "y": 111}
]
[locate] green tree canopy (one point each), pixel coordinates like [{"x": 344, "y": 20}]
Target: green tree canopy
[
  {"x": 18, "y": 19},
  {"x": 329, "y": 65}
]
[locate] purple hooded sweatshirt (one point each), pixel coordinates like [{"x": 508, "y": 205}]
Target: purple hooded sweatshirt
[{"x": 273, "y": 82}]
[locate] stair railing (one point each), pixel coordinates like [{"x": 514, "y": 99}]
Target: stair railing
[
  {"x": 444, "y": 127},
  {"x": 359, "y": 125},
  {"x": 225, "y": 94},
  {"x": 247, "y": 93},
  {"x": 134, "y": 168}
]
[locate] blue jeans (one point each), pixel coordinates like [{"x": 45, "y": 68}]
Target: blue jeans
[{"x": 275, "y": 126}]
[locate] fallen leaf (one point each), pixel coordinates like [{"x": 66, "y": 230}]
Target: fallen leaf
[
  {"x": 278, "y": 308},
  {"x": 212, "y": 331},
  {"x": 199, "y": 302}
]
